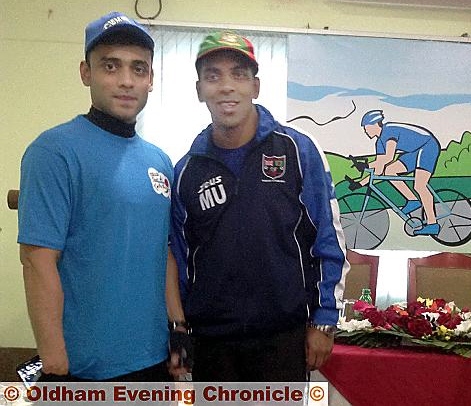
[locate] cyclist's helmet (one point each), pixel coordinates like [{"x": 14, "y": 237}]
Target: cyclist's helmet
[{"x": 372, "y": 117}]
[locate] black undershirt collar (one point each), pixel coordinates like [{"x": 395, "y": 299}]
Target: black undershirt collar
[{"x": 110, "y": 123}]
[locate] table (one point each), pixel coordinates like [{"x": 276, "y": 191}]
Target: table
[
  {"x": 397, "y": 376},
  {"x": 335, "y": 397}
]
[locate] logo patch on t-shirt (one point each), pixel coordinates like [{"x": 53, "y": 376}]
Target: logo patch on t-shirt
[
  {"x": 273, "y": 167},
  {"x": 159, "y": 181}
]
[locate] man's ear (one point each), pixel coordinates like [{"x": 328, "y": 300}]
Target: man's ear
[
  {"x": 198, "y": 91},
  {"x": 85, "y": 73},
  {"x": 151, "y": 82},
  {"x": 256, "y": 87}
]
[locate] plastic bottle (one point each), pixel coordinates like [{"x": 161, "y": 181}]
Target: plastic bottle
[{"x": 366, "y": 296}]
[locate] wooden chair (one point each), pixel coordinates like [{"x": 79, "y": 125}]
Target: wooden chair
[
  {"x": 363, "y": 274},
  {"x": 446, "y": 275}
]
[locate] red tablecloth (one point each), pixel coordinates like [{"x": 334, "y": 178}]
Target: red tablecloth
[{"x": 399, "y": 377}]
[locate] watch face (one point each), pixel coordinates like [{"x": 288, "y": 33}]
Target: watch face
[{"x": 327, "y": 329}]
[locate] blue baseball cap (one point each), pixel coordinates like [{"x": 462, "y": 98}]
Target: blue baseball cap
[
  {"x": 372, "y": 117},
  {"x": 112, "y": 23}
]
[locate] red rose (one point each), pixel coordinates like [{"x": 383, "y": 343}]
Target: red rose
[
  {"x": 402, "y": 322},
  {"x": 449, "y": 321},
  {"x": 394, "y": 318},
  {"x": 419, "y": 327},
  {"x": 416, "y": 308},
  {"x": 454, "y": 322},
  {"x": 376, "y": 317},
  {"x": 391, "y": 315},
  {"x": 441, "y": 303},
  {"x": 361, "y": 306}
]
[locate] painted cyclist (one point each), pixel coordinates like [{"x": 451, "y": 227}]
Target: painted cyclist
[{"x": 403, "y": 148}]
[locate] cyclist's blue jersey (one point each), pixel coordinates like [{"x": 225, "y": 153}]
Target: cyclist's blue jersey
[{"x": 418, "y": 146}]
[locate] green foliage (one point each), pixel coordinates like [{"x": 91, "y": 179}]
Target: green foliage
[
  {"x": 370, "y": 338},
  {"x": 455, "y": 159}
]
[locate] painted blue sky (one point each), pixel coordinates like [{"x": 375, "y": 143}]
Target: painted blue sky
[
  {"x": 421, "y": 82},
  {"x": 430, "y": 102},
  {"x": 422, "y": 74}
]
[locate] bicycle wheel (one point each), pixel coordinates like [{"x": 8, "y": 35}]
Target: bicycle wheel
[
  {"x": 364, "y": 229},
  {"x": 454, "y": 216}
]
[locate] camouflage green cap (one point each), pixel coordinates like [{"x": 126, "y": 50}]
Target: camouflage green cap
[{"x": 227, "y": 40}]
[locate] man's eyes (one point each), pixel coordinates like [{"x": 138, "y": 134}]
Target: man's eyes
[
  {"x": 240, "y": 74},
  {"x": 141, "y": 69},
  {"x": 110, "y": 66},
  {"x": 237, "y": 74},
  {"x": 138, "y": 69},
  {"x": 212, "y": 77}
]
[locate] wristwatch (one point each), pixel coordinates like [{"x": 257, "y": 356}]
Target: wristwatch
[
  {"x": 172, "y": 325},
  {"x": 327, "y": 329}
]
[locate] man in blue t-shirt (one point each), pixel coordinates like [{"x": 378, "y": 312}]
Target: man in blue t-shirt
[
  {"x": 418, "y": 152},
  {"x": 94, "y": 212}
]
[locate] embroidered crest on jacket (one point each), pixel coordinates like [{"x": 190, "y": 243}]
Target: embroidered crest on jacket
[{"x": 273, "y": 167}]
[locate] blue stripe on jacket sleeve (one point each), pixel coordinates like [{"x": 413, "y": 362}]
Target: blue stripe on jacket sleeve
[{"x": 318, "y": 196}]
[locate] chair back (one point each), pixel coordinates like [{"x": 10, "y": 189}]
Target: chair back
[
  {"x": 446, "y": 275},
  {"x": 363, "y": 274}
]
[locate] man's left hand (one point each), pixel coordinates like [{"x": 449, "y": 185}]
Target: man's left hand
[
  {"x": 181, "y": 353},
  {"x": 318, "y": 348}
]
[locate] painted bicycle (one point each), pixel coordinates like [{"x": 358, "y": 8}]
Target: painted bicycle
[{"x": 365, "y": 215}]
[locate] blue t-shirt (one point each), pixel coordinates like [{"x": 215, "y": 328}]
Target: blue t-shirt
[
  {"x": 104, "y": 202},
  {"x": 233, "y": 158}
]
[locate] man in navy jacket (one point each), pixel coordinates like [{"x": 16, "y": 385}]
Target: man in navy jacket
[{"x": 256, "y": 232}]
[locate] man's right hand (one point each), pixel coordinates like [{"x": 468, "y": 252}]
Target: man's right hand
[
  {"x": 55, "y": 362},
  {"x": 45, "y": 300}
]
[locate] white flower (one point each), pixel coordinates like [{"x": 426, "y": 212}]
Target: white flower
[
  {"x": 431, "y": 316},
  {"x": 453, "y": 307},
  {"x": 464, "y": 328},
  {"x": 353, "y": 325},
  {"x": 466, "y": 316}
]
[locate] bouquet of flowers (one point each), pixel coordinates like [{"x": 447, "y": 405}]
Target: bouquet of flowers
[{"x": 427, "y": 323}]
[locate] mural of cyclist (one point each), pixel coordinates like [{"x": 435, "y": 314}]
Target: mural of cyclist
[{"x": 403, "y": 148}]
